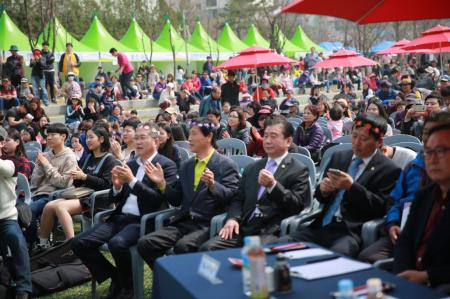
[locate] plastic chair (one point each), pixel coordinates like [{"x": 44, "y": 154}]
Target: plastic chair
[
  {"x": 183, "y": 144},
  {"x": 33, "y": 144},
  {"x": 329, "y": 153},
  {"x": 417, "y": 147},
  {"x": 343, "y": 139},
  {"x": 294, "y": 122},
  {"x": 390, "y": 140},
  {"x": 328, "y": 135},
  {"x": 232, "y": 146},
  {"x": 396, "y": 132},
  {"x": 242, "y": 161},
  {"x": 304, "y": 151},
  {"x": 184, "y": 154},
  {"x": 309, "y": 163},
  {"x": 369, "y": 231},
  {"x": 136, "y": 260},
  {"x": 23, "y": 186}
]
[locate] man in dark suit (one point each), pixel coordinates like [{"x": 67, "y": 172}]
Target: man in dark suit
[
  {"x": 422, "y": 249},
  {"x": 134, "y": 195},
  {"x": 206, "y": 185},
  {"x": 271, "y": 189},
  {"x": 355, "y": 190}
]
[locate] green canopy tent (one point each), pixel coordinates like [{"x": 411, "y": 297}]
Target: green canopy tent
[
  {"x": 99, "y": 39},
  {"x": 10, "y": 34},
  {"x": 136, "y": 39},
  {"x": 255, "y": 38},
  {"x": 170, "y": 37},
  {"x": 288, "y": 47},
  {"x": 229, "y": 40},
  {"x": 62, "y": 36},
  {"x": 300, "y": 39},
  {"x": 203, "y": 41}
]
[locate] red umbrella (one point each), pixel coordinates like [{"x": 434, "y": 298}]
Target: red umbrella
[
  {"x": 372, "y": 11},
  {"x": 255, "y": 57},
  {"x": 436, "y": 38},
  {"x": 344, "y": 58}
]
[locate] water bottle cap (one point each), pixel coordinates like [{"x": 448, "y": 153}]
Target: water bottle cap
[
  {"x": 374, "y": 285},
  {"x": 345, "y": 285},
  {"x": 247, "y": 240}
]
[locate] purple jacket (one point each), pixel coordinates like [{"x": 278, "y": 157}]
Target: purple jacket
[{"x": 311, "y": 138}]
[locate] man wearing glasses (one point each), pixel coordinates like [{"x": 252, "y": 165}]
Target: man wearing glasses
[{"x": 421, "y": 253}]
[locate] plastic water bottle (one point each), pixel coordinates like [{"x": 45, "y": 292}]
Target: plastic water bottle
[
  {"x": 257, "y": 261},
  {"x": 345, "y": 287},
  {"x": 374, "y": 288},
  {"x": 246, "y": 266}
]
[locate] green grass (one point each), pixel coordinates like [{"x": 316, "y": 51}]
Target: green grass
[{"x": 84, "y": 291}]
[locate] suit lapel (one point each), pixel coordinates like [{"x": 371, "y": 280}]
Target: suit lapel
[
  {"x": 189, "y": 176},
  {"x": 211, "y": 165},
  {"x": 370, "y": 169}
]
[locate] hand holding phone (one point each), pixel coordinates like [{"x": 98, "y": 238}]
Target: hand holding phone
[{"x": 334, "y": 171}]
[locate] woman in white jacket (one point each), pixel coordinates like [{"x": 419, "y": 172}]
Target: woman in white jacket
[{"x": 10, "y": 232}]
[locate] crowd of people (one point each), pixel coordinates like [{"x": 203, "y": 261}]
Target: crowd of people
[{"x": 102, "y": 146}]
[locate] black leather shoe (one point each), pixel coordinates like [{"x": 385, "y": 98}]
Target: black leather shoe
[
  {"x": 126, "y": 294},
  {"x": 22, "y": 295},
  {"x": 114, "y": 290}
]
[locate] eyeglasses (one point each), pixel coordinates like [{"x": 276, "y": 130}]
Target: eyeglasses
[{"x": 440, "y": 152}]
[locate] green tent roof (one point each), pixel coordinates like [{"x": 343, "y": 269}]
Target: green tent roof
[
  {"x": 300, "y": 39},
  {"x": 229, "y": 40},
  {"x": 288, "y": 48},
  {"x": 203, "y": 41},
  {"x": 136, "y": 39},
  {"x": 62, "y": 37},
  {"x": 100, "y": 40},
  {"x": 10, "y": 34},
  {"x": 255, "y": 38},
  {"x": 177, "y": 41}
]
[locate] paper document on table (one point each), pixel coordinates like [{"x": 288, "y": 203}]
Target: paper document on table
[
  {"x": 328, "y": 268},
  {"x": 299, "y": 254}
]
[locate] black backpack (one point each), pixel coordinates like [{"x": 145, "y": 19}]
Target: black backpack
[{"x": 57, "y": 269}]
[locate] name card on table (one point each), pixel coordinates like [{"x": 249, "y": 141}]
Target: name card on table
[{"x": 208, "y": 269}]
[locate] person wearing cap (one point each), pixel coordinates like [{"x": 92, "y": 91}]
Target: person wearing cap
[
  {"x": 69, "y": 63},
  {"x": 14, "y": 67},
  {"x": 385, "y": 93},
  {"x": 49, "y": 69},
  {"x": 8, "y": 95},
  {"x": 125, "y": 71},
  {"x": 212, "y": 101},
  {"x": 206, "y": 183},
  {"x": 71, "y": 88},
  {"x": 108, "y": 100},
  {"x": 37, "y": 64},
  {"x": 444, "y": 82},
  {"x": 185, "y": 100},
  {"x": 96, "y": 92},
  {"x": 206, "y": 84},
  {"x": 24, "y": 91},
  {"x": 246, "y": 99},
  {"x": 425, "y": 78},
  {"x": 293, "y": 109},
  {"x": 168, "y": 93},
  {"x": 407, "y": 85},
  {"x": 283, "y": 105},
  {"x": 208, "y": 65},
  {"x": 230, "y": 90}
]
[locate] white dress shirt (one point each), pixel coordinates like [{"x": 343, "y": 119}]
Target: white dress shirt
[{"x": 131, "y": 205}]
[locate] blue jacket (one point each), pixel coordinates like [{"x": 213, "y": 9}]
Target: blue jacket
[
  {"x": 412, "y": 178},
  {"x": 385, "y": 96},
  {"x": 209, "y": 103}
]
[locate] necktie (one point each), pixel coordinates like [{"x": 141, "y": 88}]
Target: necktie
[
  {"x": 352, "y": 171},
  {"x": 270, "y": 166}
]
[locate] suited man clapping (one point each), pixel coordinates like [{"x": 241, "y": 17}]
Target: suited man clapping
[
  {"x": 271, "y": 189},
  {"x": 207, "y": 183}
]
